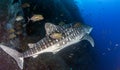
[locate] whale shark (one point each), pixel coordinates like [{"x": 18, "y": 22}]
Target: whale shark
[{"x": 70, "y": 35}]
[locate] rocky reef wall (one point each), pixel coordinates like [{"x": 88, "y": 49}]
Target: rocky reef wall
[
  {"x": 54, "y": 11},
  {"x": 10, "y": 10},
  {"x": 3, "y": 18}
]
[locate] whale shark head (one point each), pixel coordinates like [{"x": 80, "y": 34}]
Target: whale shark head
[
  {"x": 76, "y": 33},
  {"x": 87, "y": 28}
]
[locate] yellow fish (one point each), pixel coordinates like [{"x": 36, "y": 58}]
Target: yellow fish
[
  {"x": 36, "y": 17},
  {"x": 56, "y": 35}
]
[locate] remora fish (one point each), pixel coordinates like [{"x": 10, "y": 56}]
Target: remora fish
[{"x": 70, "y": 36}]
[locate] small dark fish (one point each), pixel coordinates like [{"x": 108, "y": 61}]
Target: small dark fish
[
  {"x": 61, "y": 23},
  {"x": 77, "y": 24},
  {"x": 11, "y": 30},
  {"x": 11, "y": 36},
  {"x": 61, "y": 14},
  {"x": 25, "y": 5}
]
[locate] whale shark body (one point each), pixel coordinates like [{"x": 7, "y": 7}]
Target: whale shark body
[{"x": 70, "y": 35}]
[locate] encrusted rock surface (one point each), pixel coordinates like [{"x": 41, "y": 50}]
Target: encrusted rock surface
[{"x": 46, "y": 61}]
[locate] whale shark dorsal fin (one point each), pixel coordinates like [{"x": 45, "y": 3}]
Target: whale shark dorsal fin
[
  {"x": 30, "y": 45},
  {"x": 49, "y": 27},
  {"x": 89, "y": 39}
]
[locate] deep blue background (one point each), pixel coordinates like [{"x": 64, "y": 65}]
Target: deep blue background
[{"x": 104, "y": 17}]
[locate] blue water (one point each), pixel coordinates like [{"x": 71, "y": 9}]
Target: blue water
[{"x": 104, "y": 17}]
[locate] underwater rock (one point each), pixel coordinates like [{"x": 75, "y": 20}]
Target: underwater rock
[
  {"x": 3, "y": 19},
  {"x": 79, "y": 56},
  {"x": 13, "y": 10},
  {"x": 46, "y": 61},
  {"x": 8, "y": 11},
  {"x": 6, "y": 62}
]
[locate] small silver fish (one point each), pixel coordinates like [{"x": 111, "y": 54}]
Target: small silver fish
[
  {"x": 19, "y": 18},
  {"x": 70, "y": 36}
]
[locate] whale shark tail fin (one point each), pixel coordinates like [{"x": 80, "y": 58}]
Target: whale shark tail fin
[{"x": 14, "y": 54}]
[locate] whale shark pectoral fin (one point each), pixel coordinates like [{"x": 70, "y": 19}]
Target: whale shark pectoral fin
[
  {"x": 89, "y": 38},
  {"x": 31, "y": 45}
]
